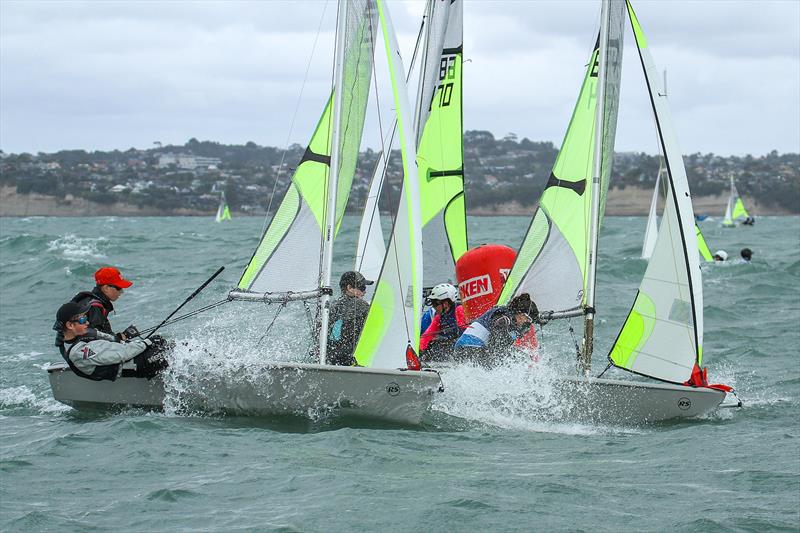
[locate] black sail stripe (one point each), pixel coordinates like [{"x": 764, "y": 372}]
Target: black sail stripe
[{"x": 579, "y": 187}]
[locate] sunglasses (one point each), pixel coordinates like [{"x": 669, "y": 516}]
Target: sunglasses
[
  {"x": 81, "y": 320},
  {"x": 118, "y": 289},
  {"x": 362, "y": 288}
]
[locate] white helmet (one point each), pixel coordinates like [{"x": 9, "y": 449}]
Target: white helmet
[{"x": 444, "y": 291}]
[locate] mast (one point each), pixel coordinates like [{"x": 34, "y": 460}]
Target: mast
[
  {"x": 333, "y": 183},
  {"x": 426, "y": 21},
  {"x": 585, "y": 362}
]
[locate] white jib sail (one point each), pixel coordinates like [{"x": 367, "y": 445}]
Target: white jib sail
[
  {"x": 728, "y": 220},
  {"x": 651, "y": 231},
  {"x": 394, "y": 316},
  {"x": 663, "y": 334}
]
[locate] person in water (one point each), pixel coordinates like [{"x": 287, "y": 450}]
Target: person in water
[
  {"x": 499, "y": 330},
  {"x": 109, "y": 286},
  {"x": 447, "y": 325},
  {"x": 747, "y": 254},
  {"x": 720, "y": 256},
  {"x": 95, "y": 355},
  {"x": 347, "y": 318}
]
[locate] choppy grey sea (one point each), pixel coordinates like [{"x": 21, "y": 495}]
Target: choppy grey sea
[{"x": 485, "y": 459}]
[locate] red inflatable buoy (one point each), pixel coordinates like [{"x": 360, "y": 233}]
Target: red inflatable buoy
[{"x": 481, "y": 274}]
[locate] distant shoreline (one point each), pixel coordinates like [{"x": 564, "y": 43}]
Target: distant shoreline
[{"x": 621, "y": 202}]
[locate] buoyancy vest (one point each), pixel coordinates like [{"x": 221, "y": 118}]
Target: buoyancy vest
[{"x": 100, "y": 373}]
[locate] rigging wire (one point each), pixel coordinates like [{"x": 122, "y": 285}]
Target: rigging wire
[{"x": 187, "y": 315}]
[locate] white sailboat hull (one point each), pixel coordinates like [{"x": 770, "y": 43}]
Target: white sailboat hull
[
  {"x": 296, "y": 389},
  {"x": 632, "y": 402}
]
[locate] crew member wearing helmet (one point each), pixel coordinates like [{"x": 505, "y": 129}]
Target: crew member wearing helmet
[
  {"x": 109, "y": 287},
  {"x": 493, "y": 335},
  {"x": 347, "y": 318},
  {"x": 96, "y": 355},
  {"x": 720, "y": 256},
  {"x": 447, "y": 325}
]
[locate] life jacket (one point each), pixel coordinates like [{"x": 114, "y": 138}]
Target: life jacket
[{"x": 100, "y": 373}]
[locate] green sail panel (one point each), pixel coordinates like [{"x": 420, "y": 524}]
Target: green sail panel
[
  {"x": 440, "y": 150},
  {"x": 555, "y": 246},
  {"x": 702, "y": 247},
  {"x": 287, "y": 258},
  {"x": 662, "y": 337},
  {"x": 393, "y": 321}
]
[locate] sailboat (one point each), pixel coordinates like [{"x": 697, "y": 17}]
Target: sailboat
[
  {"x": 287, "y": 267},
  {"x": 662, "y": 336},
  {"x": 440, "y": 153},
  {"x": 223, "y": 212},
  {"x": 735, "y": 210},
  {"x": 651, "y": 230}
]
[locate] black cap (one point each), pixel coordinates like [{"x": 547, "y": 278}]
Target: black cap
[
  {"x": 523, "y": 304},
  {"x": 747, "y": 253},
  {"x": 69, "y": 310},
  {"x": 354, "y": 279}
]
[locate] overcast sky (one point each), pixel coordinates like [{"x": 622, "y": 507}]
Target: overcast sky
[{"x": 103, "y": 75}]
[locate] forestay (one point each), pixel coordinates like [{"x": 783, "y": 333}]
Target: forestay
[
  {"x": 662, "y": 335},
  {"x": 288, "y": 256},
  {"x": 440, "y": 150},
  {"x": 392, "y": 324},
  {"x": 556, "y": 244}
]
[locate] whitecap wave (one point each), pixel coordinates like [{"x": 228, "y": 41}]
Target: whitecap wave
[{"x": 74, "y": 248}]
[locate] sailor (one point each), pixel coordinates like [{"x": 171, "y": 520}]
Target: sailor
[
  {"x": 749, "y": 221},
  {"x": 347, "y": 318},
  {"x": 95, "y": 355},
  {"x": 747, "y": 254},
  {"x": 720, "y": 256},
  {"x": 447, "y": 325},
  {"x": 109, "y": 287},
  {"x": 500, "y": 329}
]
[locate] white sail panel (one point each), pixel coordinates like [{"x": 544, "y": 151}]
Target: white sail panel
[
  {"x": 393, "y": 321},
  {"x": 371, "y": 247},
  {"x": 651, "y": 230}
]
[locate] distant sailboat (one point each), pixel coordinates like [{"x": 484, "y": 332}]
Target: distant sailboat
[
  {"x": 223, "y": 211},
  {"x": 735, "y": 210}
]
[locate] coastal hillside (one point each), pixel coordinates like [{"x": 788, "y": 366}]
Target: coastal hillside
[{"x": 503, "y": 176}]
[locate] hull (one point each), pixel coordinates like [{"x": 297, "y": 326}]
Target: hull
[
  {"x": 278, "y": 389},
  {"x": 631, "y": 402}
]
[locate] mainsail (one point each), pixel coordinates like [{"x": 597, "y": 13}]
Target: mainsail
[
  {"x": 440, "y": 150},
  {"x": 393, "y": 321},
  {"x": 662, "y": 337},
  {"x": 556, "y": 246},
  {"x": 286, "y": 258}
]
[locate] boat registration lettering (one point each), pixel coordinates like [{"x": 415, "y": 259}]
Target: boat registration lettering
[{"x": 475, "y": 287}]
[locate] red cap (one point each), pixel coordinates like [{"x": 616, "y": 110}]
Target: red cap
[{"x": 111, "y": 276}]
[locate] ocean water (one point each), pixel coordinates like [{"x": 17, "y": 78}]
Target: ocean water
[{"x": 486, "y": 458}]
